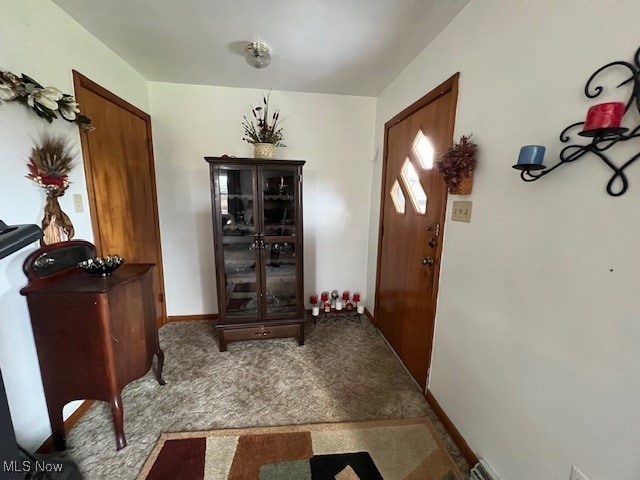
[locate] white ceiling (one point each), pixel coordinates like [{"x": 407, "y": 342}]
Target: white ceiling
[{"x": 354, "y": 47}]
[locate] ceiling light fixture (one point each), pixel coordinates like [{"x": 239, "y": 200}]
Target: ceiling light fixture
[{"x": 257, "y": 54}]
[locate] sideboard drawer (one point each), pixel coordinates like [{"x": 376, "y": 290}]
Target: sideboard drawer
[{"x": 262, "y": 332}]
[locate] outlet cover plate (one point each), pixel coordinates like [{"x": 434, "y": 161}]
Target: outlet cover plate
[
  {"x": 577, "y": 474},
  {"x": 461, "y": 211}
]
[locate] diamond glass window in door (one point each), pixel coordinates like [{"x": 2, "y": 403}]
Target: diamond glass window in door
[
  {"x": 397, "y": 197},
  {"x": 412, "y": 182},
  {"x": 423, "y": 150}
]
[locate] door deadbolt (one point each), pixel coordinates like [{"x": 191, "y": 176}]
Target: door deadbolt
[
  {"x": 433, "y": 243},
  {"x": 427, "y": 261},
  {"x": 434, "y": 228}
]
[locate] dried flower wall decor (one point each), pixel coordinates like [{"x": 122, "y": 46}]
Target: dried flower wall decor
[
  {"x": 457, "y": 165},
  {"x": 45, "y": 101},
  {"x": 50, "y": 164}
]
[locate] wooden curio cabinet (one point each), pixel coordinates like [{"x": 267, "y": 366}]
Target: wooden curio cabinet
[{"x": 257, "y": 230}]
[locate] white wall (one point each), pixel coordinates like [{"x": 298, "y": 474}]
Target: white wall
[
  {"x": 333, "y": 133},
  {"x": 39, "y": 39},
  {"x": 537, "y": 342}
]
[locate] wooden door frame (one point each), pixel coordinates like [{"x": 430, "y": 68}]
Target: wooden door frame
[
  {"x": 449, "y": 85},
  {"x": 81, "y": 81}
]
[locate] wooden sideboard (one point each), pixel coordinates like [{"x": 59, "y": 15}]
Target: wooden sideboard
[{"x": 94, "y": 335}]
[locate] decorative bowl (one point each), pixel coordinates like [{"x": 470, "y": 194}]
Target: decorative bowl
[{"x": 102, "y": 267}]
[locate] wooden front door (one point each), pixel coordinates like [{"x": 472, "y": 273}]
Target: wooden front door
[
  {"x": 118, "y": 161},
  {"x": 413, "y": 207}
]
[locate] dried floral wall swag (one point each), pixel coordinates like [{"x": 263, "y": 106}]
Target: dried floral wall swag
[
  {"x": 50, "y": 164},
  {"x": 45, "y": 101},
  {"x": 457, "y": 165}
]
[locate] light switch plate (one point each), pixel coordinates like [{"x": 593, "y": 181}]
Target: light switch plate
[
  {"x": 77, "y": 203},
  {"x": 461, "y": 211}
]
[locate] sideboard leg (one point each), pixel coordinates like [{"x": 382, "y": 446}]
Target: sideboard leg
[
  {"x": 118, "y": 421},
  {"x": 160, "y": 357},
  {"x": 301, "y": 335},
  {"x": 57, "y": 428}
]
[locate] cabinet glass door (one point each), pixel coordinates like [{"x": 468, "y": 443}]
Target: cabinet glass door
[
  {"x": 279, "y": 202},
  {"x": 280, "y": 277},
  {"x": 279, "y": 190},
  {"x": 238, "y": 222}
]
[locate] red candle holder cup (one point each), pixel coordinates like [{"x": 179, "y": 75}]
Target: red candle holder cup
[
  {"x": 313, "y": 300},
  {"x": 324, "y": 296},
  {"x": 604, "y": 120},
  {"x": 345, "y": 295},
  {"x": 356, "y": 297}
]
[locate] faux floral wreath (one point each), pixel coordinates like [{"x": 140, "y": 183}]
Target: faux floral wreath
[{"x": 45, "y": 101}]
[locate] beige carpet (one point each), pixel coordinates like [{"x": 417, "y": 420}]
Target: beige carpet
[
  {"x": 388, "y": 449},
  {"x": 345, "y": 372}
]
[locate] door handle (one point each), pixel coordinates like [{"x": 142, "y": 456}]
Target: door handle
[
  {"x": 255, "y": 243},
  {"x": 427, "y": 261}
]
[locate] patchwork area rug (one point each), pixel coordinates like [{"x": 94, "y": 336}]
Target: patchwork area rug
[{"x": 389, "y": 449}]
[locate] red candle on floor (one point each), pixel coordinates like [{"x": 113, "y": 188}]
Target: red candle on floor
[
  {"x": 604, "y": 115},
  {"x": 345, "y": 295},
  {"x": 356, "y": 297},
  {"x": 324, "y": 296},
  {"x": 314, "y": 299}
]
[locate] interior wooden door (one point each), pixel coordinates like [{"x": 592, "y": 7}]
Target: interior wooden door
[
  {"x": 118, "y": 161},
  {"x": 413, "y": 207}
]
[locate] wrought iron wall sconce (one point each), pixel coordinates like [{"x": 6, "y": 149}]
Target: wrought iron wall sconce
[{"x": 602, "y": 126}]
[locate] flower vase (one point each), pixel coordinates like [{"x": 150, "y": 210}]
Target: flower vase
[
  {"x": 56, "y": 225},
  {"x": 464, "y": 186},
  {"x": 264, "y": 150}
]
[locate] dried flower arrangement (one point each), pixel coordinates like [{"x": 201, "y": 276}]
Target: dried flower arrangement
[
  {"x": 262, "y": 128},
  {"x": 457, "y": 165},
  {"x": 44, "y": 101},
  {"x": 50, "y": 163}
]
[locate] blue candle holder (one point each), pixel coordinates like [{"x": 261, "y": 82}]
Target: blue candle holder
[{"x": 531, "y": 158}]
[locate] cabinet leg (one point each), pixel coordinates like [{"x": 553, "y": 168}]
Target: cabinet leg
[
  {"x": 301, "y": 336},
  {"x": 222, "y": 342},
  {"x": 57, "y": 428},
  {"x": 160, "y": 357},
  {"x": 118, "y": 421}
]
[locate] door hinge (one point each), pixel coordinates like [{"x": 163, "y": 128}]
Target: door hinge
[{"x": 300, "y": 178}]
